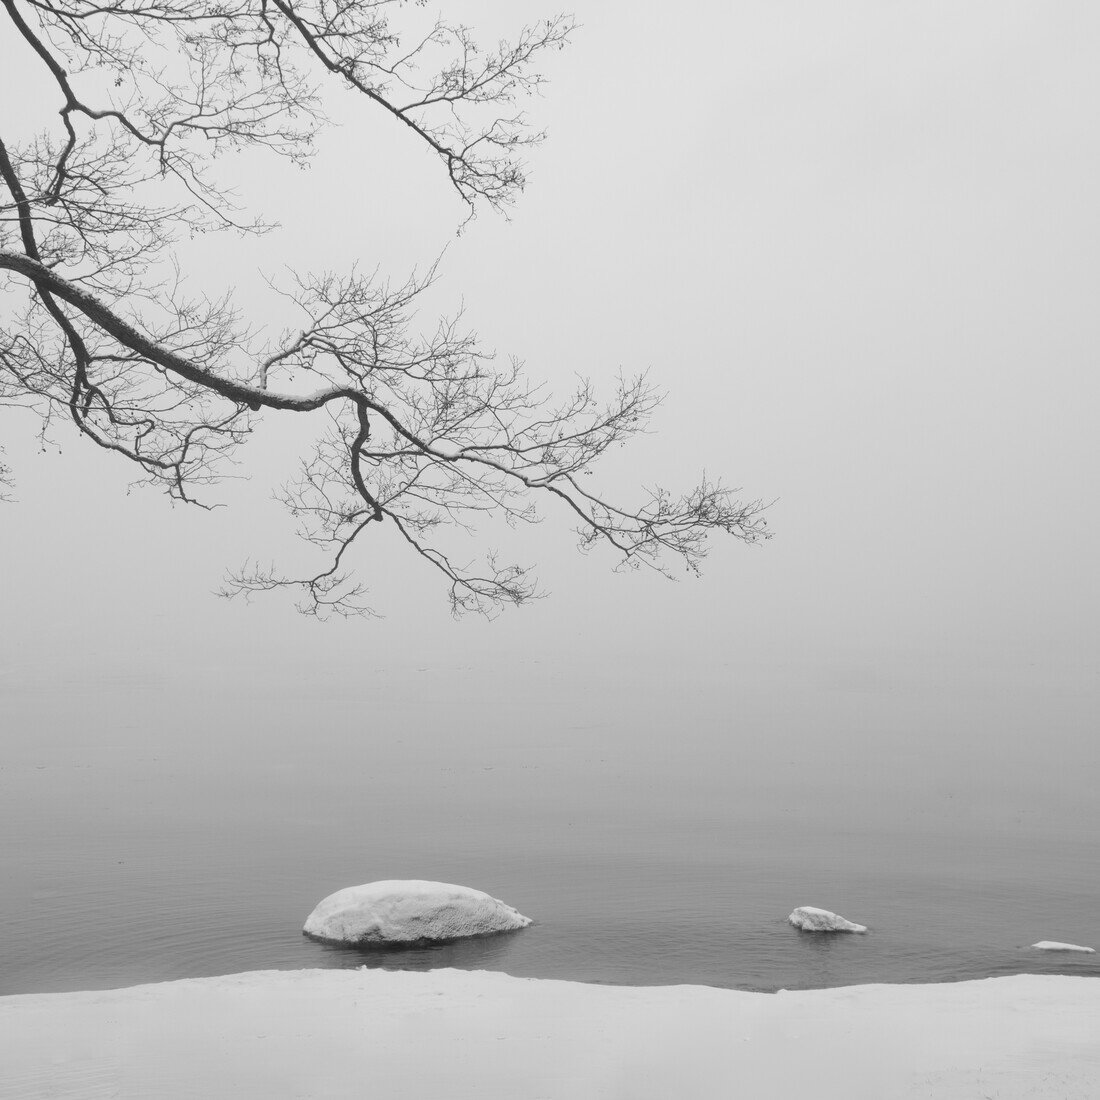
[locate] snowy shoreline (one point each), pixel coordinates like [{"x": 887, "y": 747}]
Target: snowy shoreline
[{"x": 458, "y": 1033}]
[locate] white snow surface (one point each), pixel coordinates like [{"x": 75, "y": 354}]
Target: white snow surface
[
  {"x": 408, "y": 911},
  {"x": 469, "y": 1035},
  {"x": 1054, "y": 945},
  {"x": 811, "y": 919}
]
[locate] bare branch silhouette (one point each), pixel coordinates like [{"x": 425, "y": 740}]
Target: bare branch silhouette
[{"x": 424, "y": 432}]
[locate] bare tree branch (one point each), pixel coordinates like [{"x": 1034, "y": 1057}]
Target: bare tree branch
[{"x": 425, "y": 433}]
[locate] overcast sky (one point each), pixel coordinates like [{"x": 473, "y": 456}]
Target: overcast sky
[{"x": 858, "y": 245}]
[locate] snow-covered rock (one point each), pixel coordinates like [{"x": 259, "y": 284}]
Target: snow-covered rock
[
  {"x": 1054, "y": 945},
  {"x": 810, "y": 919},
  {"x": 409, "y": 911}
]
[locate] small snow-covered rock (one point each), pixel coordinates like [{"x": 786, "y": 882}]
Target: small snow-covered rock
[
  {"x": 409, "y": 911},
  {"x": 809, "y": 919},
  {"x": 1054, "y": 945}
]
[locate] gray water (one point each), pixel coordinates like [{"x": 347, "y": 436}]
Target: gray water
[{"x": 657, "y": 823}]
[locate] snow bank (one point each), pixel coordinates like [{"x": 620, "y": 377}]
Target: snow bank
[
  {"x": 409, "y": 911},
  {"x": 1054, "y": 945},
  {"x": 810, "y": 919},
  {"x": 460, "y": 1035}
]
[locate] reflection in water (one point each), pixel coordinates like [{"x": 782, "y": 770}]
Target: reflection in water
[{"x": 475, "y": 953}]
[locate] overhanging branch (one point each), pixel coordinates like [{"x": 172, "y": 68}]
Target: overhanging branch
[{"x": 129, "y": 337}]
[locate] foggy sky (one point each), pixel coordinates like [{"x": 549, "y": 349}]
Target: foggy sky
[{"x": 856, "y": 243}]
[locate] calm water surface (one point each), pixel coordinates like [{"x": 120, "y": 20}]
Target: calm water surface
[{"x": 657, "y": 824}]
